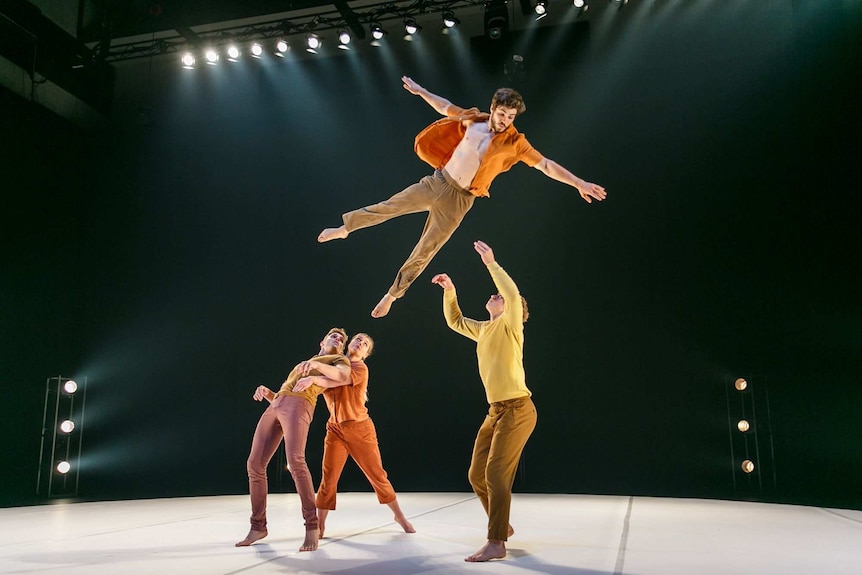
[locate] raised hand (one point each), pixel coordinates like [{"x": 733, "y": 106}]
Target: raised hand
[
  {"x": 444, "y": 281},
  {"x": 411, "y": 86},
  {"x": 485, "y": 251}
]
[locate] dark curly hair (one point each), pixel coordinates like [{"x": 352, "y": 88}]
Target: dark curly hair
[{"x": 508, "y": 98}]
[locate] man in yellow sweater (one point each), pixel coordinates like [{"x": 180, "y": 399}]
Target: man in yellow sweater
[
  {"x": 511, "y": 416},
  {"x": 289, "y": 416}
]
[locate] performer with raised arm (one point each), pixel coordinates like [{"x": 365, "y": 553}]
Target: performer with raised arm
[
  {"x": 350, "y": 431},
  {"x": 511, "y": 416},
  {"x": 289, "y": 416},
  {"x": 467, "y": 150}
]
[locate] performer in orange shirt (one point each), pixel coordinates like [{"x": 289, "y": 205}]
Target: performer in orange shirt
[
  {"x": 467, "y": 150},
  {"x": 350, "y": 431}
]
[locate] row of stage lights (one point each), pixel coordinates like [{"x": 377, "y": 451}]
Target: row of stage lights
[
  {"x": 313, "y": 42},
  {"x": 66, "y": 427},
  {"x": 743, "y": 425}
]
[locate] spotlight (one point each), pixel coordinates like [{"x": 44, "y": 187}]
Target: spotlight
[
  {"x": 70, "y": 386},
  {"x": 343, "y": 39},
  {"x": 188, "y": 61},
  {"x": 232, "y": 53},
  {"x": 313, "y": 42},
  {"x": 743, "y": 425},
  {"x": 281, "y": 48},
  {"x": 63, "y": 467},
  {"x": 377, "y": 31},
  {"x": 748, "y": 466},
  {"x": 449, "y": 19},
  {"x": 578, "y": 3},
  {"x": 410, "y": 26},
  {"x": 541, "y": 8},
  {"x": 67, "y": 426},
  {"x": 496, "y": 19},
  {"x": 256, "y": 50},
  {"x": 211, "y": 57},
  {"x": 740, "y": 384}
]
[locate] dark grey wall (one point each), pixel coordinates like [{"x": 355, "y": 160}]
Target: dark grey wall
[{"x": 173, "y": 261}]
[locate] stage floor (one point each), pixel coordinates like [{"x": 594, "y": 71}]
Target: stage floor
[{"x": 555, "y": 535}]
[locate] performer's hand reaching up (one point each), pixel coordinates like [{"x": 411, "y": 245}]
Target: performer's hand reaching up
[
  {"x": 485, "y": 251},
  {"x": 443, "y": 281}
]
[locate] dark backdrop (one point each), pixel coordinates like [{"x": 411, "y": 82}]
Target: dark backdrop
[{"x": 171, "y": 259}]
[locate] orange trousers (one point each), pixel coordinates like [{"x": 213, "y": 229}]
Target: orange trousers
[{"x": 358, "y": 439}]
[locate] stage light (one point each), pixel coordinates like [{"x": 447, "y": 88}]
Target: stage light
[
  {"x": 541, "y": 7},
  {"x": 343, "y": 39},
  {"x": 578, "y": 3},
  {"x": 232, "y": 53},
  {"x": 410, "y": 26},
  {"x": 496, "y": 19},
  {"x": 743, "y": 425},
  {"x": 281, "y": 48},
  {"x": 449, "y": 19},
  {"x": 64, "y": 467},
  {"x": 313, "y": 43},
  {"x": 211, "y": 57},
  {"x": 70, "y": 386},
  {"x": 748, "y": 466},
  {"x": 67, "y": 426},
  {"x": 256, "y": 50},
  {"x": 188, "y": 61},
  {"x": 377, "y": 31},
  {"x": 740, "y": 384}
]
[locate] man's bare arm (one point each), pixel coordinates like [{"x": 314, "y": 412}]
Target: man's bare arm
[
  {"x": 555, "y": 171},
  {"x": 437, "y": 102},
  {"x": 304, "y": 383}
]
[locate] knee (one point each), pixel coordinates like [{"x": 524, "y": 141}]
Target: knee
[{"x": 255, "y": 469}]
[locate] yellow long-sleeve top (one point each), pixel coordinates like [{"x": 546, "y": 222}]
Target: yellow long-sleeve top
[
  {"x": 499, "y": 342},
  {"x": 313, "y": 391}
]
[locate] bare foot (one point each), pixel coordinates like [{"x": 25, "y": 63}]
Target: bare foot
[
  {"x": 310, "y": 543},
  {"x": 338, "y": 233},
  {"x": 493, "y": 549},
  {"x": 252, "y": 536},
  {"x": 382, "y": 307},
  {"x": 405, "y": 525},
  {"x": 511, "y": 530},
  {"x": 321, "y": 521}
]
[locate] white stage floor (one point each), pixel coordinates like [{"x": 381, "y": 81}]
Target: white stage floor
[{"x": 555, "y": 535}]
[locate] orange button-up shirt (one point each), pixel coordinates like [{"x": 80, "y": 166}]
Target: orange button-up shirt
[{"x": 436, "y": 144}]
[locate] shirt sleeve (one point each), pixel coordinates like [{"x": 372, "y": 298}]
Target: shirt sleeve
[
  {"x": 527, "y": 153},
  {"x": 514, "y": 311},
  {"x": 358, "y": 373},
  {"x": 454, "y": 318}
]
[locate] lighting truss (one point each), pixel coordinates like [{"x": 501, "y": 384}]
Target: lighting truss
[{"x": 316, "y": 21}]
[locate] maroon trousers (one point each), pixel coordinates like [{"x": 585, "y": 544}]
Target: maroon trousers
[{"x": 287, "y": 417}]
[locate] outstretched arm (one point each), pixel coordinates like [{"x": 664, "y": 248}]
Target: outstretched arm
[
  {"x": 588, "y": 191},
  {"x": 439, "y": 103},
  {"x": 452, "y": 311},
  {"x": 514, "y": 311}
]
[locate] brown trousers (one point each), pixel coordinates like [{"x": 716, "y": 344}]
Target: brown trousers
[
  {"x": 288, "y": 417},
  {"x": 446, "y": 204},
  {"x": 496, "y": 453},
  {"x": 358, "y": 439}
]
